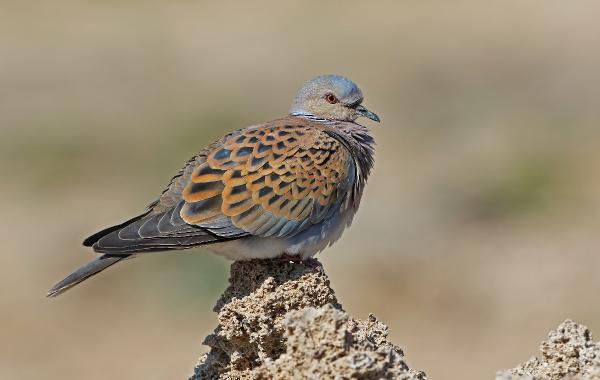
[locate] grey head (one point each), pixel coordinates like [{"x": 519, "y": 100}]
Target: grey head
[{"x": 332, "y": 97}]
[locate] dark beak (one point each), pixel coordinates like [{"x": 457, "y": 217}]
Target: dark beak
[{"x": 363, "y": 111}]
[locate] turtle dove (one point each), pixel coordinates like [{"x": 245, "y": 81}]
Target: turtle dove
[{"x": 286, "y": 188}]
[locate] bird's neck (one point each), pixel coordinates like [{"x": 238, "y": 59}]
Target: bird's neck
[
  {"x": 309, "y": 116},
  {"x": 361, "y": 145},
  {"x": 357, "y": 139}
]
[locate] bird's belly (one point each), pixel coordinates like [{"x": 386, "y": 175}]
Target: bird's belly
[{"x": 306, "y": 244}]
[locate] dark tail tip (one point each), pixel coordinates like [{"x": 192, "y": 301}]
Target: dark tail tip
[{"x": 83, "y": 273}]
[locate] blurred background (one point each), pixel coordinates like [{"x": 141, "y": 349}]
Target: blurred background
[{"x": 479, "y": 230}]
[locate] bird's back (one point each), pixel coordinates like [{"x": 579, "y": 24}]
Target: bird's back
[{"x": 271, "y": 180}]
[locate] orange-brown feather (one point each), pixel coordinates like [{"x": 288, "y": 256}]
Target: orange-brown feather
[{"x": 282, "y": 169}]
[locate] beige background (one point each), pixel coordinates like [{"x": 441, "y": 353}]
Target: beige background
[{"x": 479, "y": 230}]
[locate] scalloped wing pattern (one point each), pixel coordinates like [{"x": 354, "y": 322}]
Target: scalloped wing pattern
[{"x": 271, "y": 180}]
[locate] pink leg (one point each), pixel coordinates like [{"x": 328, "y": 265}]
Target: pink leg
[
  {"x": 309, "y": 262},
  {"x": 287, "y": 258}
]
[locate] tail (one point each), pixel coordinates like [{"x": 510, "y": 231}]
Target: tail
[{"x": 83, "y": 273}]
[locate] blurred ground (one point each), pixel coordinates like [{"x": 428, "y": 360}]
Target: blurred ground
[{"x": 479, "y": 228}]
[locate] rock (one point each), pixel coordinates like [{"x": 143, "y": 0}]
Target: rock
[
  {"x": 569, "y": 353},
  {"x": 282, "y": 320}
]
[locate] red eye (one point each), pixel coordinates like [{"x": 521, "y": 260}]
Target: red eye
[{"x": 331, "y": 98}]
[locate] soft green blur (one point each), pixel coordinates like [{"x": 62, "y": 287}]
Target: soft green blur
[{"x": 479, "y": 230}]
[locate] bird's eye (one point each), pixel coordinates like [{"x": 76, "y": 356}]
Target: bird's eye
[{"x": 330, "y": 98}]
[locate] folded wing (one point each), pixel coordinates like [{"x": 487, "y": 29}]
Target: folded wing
[
  {"x": 275, "y": 179},
  {"x": 272, "y": 180}
]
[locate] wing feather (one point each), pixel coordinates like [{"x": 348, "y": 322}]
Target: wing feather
[
  {"x": 275, "y": 179},
  {"x": 268, "y": 180}
]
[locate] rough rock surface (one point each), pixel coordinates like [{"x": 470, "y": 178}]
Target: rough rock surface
[
  {"x": 569, "y": 353},
  {"x": 282, "y": 321}
]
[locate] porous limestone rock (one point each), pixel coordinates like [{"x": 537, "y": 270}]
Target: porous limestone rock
[
  {"x": 569, "y": 353},
  {"x": 281, "y": 320}
]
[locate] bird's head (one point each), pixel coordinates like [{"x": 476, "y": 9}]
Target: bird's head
[{"x": 332, "y": 97}]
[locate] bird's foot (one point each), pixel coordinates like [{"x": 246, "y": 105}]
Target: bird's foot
[
  {"x": 309, "y": 262},
  {"x": 312, "y": 263},
  {"x": 285, "y": 258}
]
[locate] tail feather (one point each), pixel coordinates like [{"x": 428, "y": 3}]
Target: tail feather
[
  {"x": 146, "y": 233},
  {"x": 83, "y": 273}
]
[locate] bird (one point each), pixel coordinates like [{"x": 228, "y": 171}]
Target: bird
[{"x": 287, "y": 188}]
